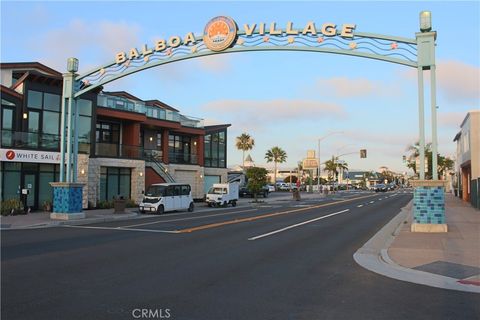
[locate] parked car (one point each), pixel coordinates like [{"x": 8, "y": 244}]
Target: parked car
[
  {"x": 164, "y": 197},
  {"x": 245, "y": 192},
  {"x": 380, "y": 188},
  {"x": 271, "y": 188}
]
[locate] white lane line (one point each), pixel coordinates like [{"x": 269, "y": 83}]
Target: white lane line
[
  {"x": 372, "y": 201},
  {"x": 185, "y": 219},
  {"x": 380, "y": 199},
  {"x": 122, "y": 229},
  {"x": 297, "y": 225},
  {"x": 360, "y": 205}
]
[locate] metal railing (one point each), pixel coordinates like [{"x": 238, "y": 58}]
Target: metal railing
[
  {"x": 35, "y": 140},
  {"x": 113, "y": 150},
  {"x": 182, "y": 158},
  {"x": 124, "y": 104},
  {"x": 153, "y": 163}
]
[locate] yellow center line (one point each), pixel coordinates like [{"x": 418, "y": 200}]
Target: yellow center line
[{"x": 224, "y": 223}]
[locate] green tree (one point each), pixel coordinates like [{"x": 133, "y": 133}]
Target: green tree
[
  {"x": 257, "y": 178},
  {"x": 444, "y": 164},
  {"x": 290, "y": 179},
  {"x": 331, "y": 168},
  {"x": 244, "y": 142},
  {"x": 276, "y": 155}
]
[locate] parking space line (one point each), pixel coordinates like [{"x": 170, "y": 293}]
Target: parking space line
[
  {"x": 121, "y": 229},
  {"x": 372, "y": 201},
  {"x": 186, "y": 219},
  {"x": 360, "y": 205},
  {"x": 297, "y": 225}
]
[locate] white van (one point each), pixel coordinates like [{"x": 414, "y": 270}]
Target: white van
[{"x": 163, "y": 197}]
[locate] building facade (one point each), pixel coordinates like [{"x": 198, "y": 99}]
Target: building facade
[
  {"x": 125, "y": 143},
  {"x": 467, "y": 165}
]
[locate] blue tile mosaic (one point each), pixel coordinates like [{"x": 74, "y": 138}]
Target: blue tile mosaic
[
  {"x": 67, "y": 199},
  {"x": 429, "y": 205}
]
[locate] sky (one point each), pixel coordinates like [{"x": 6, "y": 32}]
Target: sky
[{"x": 286, "y": 99}]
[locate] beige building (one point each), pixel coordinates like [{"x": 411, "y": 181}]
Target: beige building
[{"x": 468, "y": 158}]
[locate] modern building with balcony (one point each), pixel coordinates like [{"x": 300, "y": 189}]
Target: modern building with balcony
[{"x": 125, "y": 143}]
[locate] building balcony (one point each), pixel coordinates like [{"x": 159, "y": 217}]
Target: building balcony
[
  {"x": 36, "y": 141},
  {"x": 124, "y": 104},
  {"x": 182, "y": 158},
  {"x": 114, "y": 150}
]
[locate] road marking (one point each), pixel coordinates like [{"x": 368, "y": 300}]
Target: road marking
[
  {"x": 249, "y": 219},
  {"x": 122, "y": 229},
  {"x": 380, "y": 199},
  {"x": 185, "y": 219},
  {"x": 360, "y": 205},
  {"x": 372, "y": 201},
  {"x": 297, "y": 225}
]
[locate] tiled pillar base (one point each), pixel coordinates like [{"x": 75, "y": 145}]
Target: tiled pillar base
[
  {"x": 67, "y": 201},
  {"x": 429, "y": 206}
]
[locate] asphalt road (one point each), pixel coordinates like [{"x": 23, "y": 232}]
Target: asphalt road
[{"x": 283, "y": 260}]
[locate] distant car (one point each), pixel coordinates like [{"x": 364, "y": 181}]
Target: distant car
[
  {"x": 245, "y": 192},
  {"x": 380, "y": 188},
  {"x": 391, "y": 186},
  {"x": 271, "y": 188}
]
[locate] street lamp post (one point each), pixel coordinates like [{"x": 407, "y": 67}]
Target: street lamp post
[{"x": 319, "y": 170}]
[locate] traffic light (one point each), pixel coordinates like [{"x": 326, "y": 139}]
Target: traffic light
[
  {"x": 404, "y": 159},
  {"x": 363, "y": 153}
]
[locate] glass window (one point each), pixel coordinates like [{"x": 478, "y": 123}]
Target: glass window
[
  {"x": 34, "y": 99},
  {"x": 7, "y": 119},
  {"x": 84, "y": 107},
  {"x": 185, "y": 190},
  {"x": 33, "y": 120},
  {"x": 159, "y": 139},
  {"x": 51, "y": 122},
  {"x": 45, "y": 192},
  {"x": 11, "y": 185},
  {"x": 169, "y": 192},
  {"x": 84, "y": 128},
  {"x": 7, "y": 103},
  {"x": 51, "y": 102}
]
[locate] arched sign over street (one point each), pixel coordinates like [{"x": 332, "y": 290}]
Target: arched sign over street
[{"x": 222, "y": 35}]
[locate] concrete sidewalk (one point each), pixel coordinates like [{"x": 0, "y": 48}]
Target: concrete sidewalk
[{"x": 448, "y": 260}]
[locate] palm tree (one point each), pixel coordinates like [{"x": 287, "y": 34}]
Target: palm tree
[
  {"x": 276, "y": 155},
  {"x": 331, "y": 168},
  {"x": 244, "y": 142},
  {"x": 415, "y": 153}
]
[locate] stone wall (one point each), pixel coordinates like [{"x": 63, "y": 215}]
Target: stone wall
[{"x": 92, "y": 178}]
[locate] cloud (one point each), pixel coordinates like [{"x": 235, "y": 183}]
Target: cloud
[
  {"x": 343, "y": 87},
  {"x": 457, "y": 81},
  {"x": 218, "y": 63},
  {"x": 94, "y": 43},
  {"x": 451, "y": 119},
  {"x": 253, "y": 113}
]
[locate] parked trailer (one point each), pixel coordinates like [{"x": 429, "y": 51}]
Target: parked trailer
[{"x": 223, "y": 194}]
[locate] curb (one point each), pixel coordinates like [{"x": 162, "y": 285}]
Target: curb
[{"x": 373, "y": 256}]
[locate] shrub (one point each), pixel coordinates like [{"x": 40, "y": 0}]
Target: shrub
[
  {"x": 131, "y": 204},
  {"x": 12, "y": 206},
  {"x": 104, "y": 204}
]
